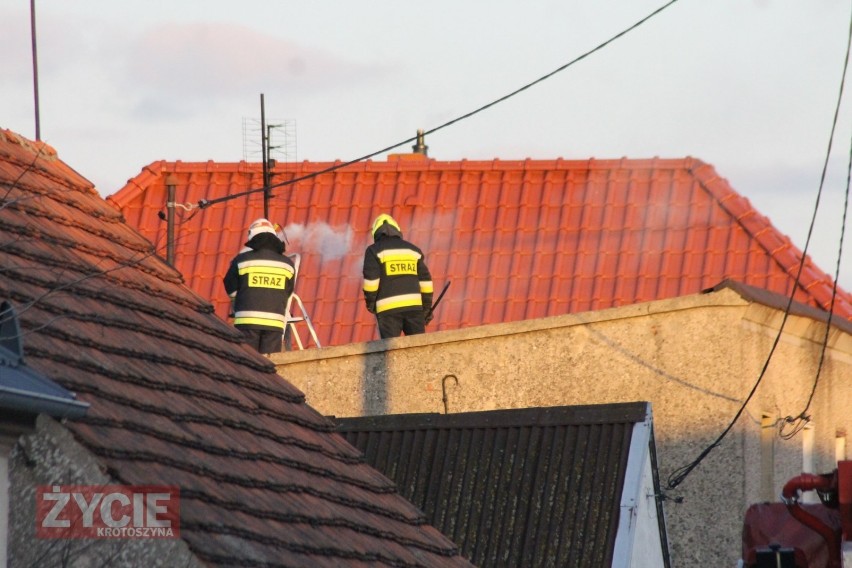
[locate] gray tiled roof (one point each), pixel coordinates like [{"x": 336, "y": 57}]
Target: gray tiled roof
[{"x": 176, "y": 399}]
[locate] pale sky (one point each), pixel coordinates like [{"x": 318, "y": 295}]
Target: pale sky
[{"x": 749, "y": 86}]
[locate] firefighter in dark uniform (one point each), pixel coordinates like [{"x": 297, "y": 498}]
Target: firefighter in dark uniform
[
  {"x": 397, "y": 283},
  {"x": 259, "y": 282}
]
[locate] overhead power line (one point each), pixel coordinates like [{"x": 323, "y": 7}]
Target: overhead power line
[
  {"x": 206, "y": 203},
  {"x": 800, "y": 420},
  {"x": 677, "y": 477}
]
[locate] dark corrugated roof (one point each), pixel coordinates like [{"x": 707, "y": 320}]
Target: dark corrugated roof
[
  {"x": 177, "y": 399},
  {"x": 525, "y": 487},
  {"x": 518, "y": 239}
]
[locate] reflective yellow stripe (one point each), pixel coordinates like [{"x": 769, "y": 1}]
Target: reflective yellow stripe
[
  {"x": 277, "y": 270},
  {"x": 259, "y": 315},
  {"x": 401, "y": 301},
  {"x": 259, "y": 321},
  {"x": 264, "y": 263},
  {"x": 391, "y": 255},
  {"x": 426, "y": 287},
  {"x": 371, "y": 285}
]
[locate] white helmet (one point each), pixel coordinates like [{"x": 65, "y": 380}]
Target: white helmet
[{"x": 261, "y": 226}]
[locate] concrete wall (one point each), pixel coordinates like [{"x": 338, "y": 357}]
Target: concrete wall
[
  {"x": 51, "y": 456},
  {"x": 694, "y": 358}
]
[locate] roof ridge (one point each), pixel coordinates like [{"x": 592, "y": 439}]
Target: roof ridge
[
  {"x": 40, "y": 148},
  {"x": 41, "y": 152},
  {"x": 146, "y": 175},
  {"x": 739, "y": 208}
]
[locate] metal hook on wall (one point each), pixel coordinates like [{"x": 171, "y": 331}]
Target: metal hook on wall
[{"x": 444, "y": 390}]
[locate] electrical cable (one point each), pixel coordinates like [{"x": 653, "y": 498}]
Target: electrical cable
[
  {"x": 206, "y": 203},
  {"x": 677, "y": 476},
  {"x": 30, "y": 167},
  {"x": 801, "y": 419}
]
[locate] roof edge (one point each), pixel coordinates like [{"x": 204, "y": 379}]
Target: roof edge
[
  {"x": 37, "y": 403},
  {"x": 814, "y": 282},
  {"x": 631, "y": 412},
  {"x": 779, "y": 302},
  {"x": 746, "y": 294}
]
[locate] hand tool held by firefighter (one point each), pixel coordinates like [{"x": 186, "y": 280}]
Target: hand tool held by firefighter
[{"x": 436, "y": 302}]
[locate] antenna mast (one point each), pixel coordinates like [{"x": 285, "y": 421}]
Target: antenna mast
[
  {"x": 35, "y": 70},
  {"x": 284, "y": 147},
  {"x": 264, "y": 145}
]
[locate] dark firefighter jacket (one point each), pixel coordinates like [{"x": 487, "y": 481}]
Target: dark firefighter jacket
[
  {"x": 260, "y": 281},
  {"x": 396, "y": 277}
]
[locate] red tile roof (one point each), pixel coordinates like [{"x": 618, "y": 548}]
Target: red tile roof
[
  {"x": 517, "y": 239},
  {"x": 176, "y": 399}
]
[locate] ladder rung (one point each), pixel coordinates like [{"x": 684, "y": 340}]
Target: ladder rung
[{"x": 292, "y": 320}]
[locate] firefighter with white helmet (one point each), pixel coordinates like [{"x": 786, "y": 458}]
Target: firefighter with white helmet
[
  {"x": 259, "y": 282},
  {"x": 397, "y": 283}
]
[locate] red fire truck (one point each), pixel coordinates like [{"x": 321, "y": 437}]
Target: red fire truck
[{"x": 791, "y": 534}]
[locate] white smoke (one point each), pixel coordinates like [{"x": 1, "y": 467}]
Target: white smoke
[{"x": 329, "y": 242}]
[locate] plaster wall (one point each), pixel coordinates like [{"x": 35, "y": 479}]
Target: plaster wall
[
  {"x": 51, "y": 456},
  {"x": 694, "y": 358}
]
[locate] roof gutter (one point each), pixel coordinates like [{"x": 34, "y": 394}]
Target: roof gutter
[
  {"x": 21, "y": 388},
  {"x": 58, "y": 407}
]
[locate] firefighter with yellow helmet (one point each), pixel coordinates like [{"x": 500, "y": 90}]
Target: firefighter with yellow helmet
[{"x": 397, "y": 283}]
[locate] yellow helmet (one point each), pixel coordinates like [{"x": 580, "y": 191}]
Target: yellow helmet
[{"x": 391, "y": 227}]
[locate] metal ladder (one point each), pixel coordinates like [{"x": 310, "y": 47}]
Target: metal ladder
[{"x": 290, "y": 331}]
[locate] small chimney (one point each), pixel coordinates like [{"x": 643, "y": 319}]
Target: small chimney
[{"x": 420, "y": 147}]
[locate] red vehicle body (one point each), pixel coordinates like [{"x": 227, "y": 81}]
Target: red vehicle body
[{"x": 791, "y": 534}]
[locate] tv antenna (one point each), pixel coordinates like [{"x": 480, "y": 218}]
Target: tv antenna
[{"x": 268, "y": 142}]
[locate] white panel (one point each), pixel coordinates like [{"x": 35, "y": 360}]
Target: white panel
[
  {"x": 638, "y": 543},
  {"x": 808, "y": 440}
]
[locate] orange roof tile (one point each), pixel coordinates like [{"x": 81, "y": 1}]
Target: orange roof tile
[
  {"x": 517, "y": 239},
  {"x": 175, "y": 397}
]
